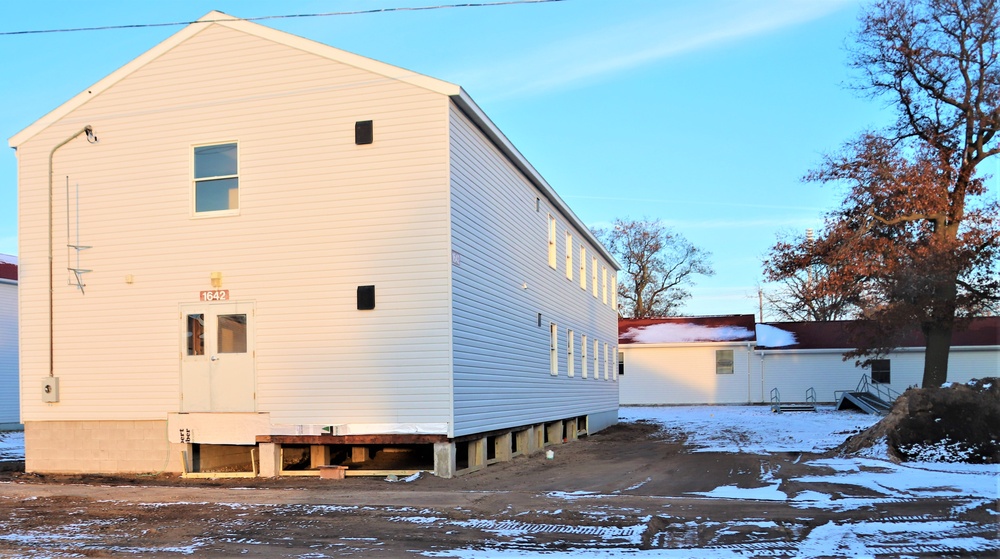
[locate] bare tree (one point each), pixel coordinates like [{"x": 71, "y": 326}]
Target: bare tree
[
  {"x": 658, "y": 264},
  {"x": 915, "y": 233}
]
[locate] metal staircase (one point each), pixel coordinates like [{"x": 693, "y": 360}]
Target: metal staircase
[
  {"x": 869, "y": 397},
  {"x": 778, "y": 407}
]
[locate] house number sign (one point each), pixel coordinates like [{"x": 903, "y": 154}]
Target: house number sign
[{"x": 215, "y": 295}]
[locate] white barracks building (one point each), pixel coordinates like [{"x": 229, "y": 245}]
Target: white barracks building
[{"x": 248, "y": 251}]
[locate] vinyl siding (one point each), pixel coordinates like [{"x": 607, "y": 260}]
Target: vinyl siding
[
  {"x": 9, "y": 406},
  {"x": 686, "y": 375},
  {"x": 501, "y": 355},
  {"x": 318, "y": 216},
  {"x": 794, "y": 372}
]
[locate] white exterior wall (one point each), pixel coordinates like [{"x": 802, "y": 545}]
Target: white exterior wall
[
  {"x": 501, "y": 354},
  {"x": 9, "y": 406},
  {"x": 795, "y": 371},
  {"x": 318, "y": 217},
  {"x": 685, "y": 374}
]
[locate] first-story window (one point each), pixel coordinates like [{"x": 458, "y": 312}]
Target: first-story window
[
  {"x": 216, "y": 178},
  {"x": 881, "y": 371},
  {"x": 723, "y": 361},
  {"x": 553, "y": 348},
  {"x": 607, "y": 375},
  {"x": 583, "y": 356},
  {"x": 570, "y": 364},
  {"x": 597, "y": 374}
]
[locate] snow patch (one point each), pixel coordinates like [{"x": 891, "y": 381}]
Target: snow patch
[
  {"x": 769, "y": 493},
  {"x": 771, "y": 336},
  {"x": 676, "y": 333}
]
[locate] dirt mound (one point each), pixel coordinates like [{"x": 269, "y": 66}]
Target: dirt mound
[{"x": 955, "y": 423}]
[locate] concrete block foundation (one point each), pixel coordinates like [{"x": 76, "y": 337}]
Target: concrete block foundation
[{"x": 100, "y": 447}]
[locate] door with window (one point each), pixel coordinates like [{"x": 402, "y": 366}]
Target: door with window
[{"x": 217, "y": 358}]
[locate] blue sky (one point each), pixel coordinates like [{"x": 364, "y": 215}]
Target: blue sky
[{"x": 702, "y": 114}]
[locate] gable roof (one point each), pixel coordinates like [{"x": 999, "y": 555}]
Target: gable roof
[
  {"x": 455, "y": 92},
  {"x": 692, "y": 329},
  {"x": 8, "y": 267},
  {"x": 979, "y": 331},
  {"x": 832, "y": 335}
]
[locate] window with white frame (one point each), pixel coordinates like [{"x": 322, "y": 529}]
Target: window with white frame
[
  {"x": 614, "y": 291},
  {"x": 583, "y": 355},
  {"x": 552, "y": 241},
  {"x": 569, "y": 256},
  {"x": 594, "y": 357},
  {"x": 570, "y": 363},
  {"x": 583, "y": 267},
  {"x": 607, "y": 374},
  {"x": 216, "y": 178},
  {"x": 553, "y": 349},
  {"x": 593, "y": 275},
  {"x": 724, "y": 361},
  {"x": 604, "y": 284}
]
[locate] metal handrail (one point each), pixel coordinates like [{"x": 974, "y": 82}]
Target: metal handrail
[
  {"x": 811, "y": 395},
  {"x": 775, "y": 400},
  {"x": 866, "y": 385}
]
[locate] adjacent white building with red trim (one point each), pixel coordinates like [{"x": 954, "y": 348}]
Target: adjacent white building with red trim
[{"x": 732, "y": 360}]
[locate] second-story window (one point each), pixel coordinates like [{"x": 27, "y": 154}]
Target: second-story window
[
  {"x": 552, "y": 241},
  {"x": 216, "y": 178}
]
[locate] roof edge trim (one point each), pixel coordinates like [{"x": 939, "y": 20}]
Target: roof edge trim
[
  {"x": 219, "y": 18},
  {"x": 470, "y": 108}
]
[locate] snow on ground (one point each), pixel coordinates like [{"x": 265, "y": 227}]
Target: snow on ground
[
  {"x": 750, "y": 429},
  {"x": 754, "y": 429},
  {"x": 12, "y": 445}
]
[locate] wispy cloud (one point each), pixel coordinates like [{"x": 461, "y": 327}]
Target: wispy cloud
[{"x": 678, "y": 29}]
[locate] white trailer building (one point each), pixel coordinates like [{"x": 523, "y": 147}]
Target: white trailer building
[
  {"x": 256, "y": 241},
  {"x": 9, "y": 396},
  {"x": 731, "y": 360}
]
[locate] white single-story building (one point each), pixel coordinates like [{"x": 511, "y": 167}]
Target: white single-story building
[
  {"x": 10, "y": 411},
  {"x": 262, "y": 242},
  {"x": 732, "y": 360}
]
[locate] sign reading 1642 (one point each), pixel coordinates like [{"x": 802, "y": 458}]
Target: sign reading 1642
[{"x": 215, "y": 295}]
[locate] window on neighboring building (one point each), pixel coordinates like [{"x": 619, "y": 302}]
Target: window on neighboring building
[
  {"x": 723, "y": 361},
  {"x": 569, "y": 256},
  {"x": 216, "y": 178},
  {"x": 583, "y": 356},
  {"x": 553, "y": 349},
  {"x": 880, "y": 371},
  {"x": 552, "y": 241},
  {"x": 593, "y": 275},
  {"x": 621, "y": 363},
  {"x": 583, "y": 267},
  {"x": 570, "y": 363}
]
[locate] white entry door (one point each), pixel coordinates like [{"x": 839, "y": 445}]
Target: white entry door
[{"x": 217, "y": 358}]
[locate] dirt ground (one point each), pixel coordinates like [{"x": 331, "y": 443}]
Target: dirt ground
[{"x": 628, "y": 488}]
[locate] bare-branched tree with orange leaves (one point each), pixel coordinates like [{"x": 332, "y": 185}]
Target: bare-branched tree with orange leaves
[{"x": 915, "y": 241}]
